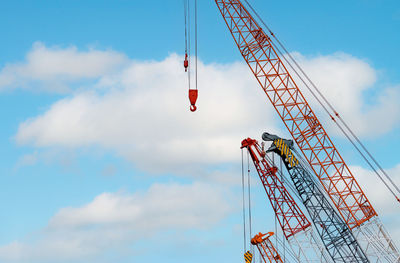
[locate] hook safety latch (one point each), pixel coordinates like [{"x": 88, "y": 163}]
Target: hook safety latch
[{"x": 193, "y": 93}]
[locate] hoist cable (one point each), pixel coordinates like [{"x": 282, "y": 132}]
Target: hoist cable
[
  {"x": 282, "y": 179},
  {"x": 195, "y": 37},
  {"x": 249, "y": 196},
  {"x": 185, "y": 17},
  {"x": 330, "y": 106},
  {"x": 189, "y": 51},
  {"x": 243, "y": 208}
]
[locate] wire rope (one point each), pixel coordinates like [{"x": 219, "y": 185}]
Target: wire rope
[
  {"x": 189, "y": 50},
  {"x": 249, "y": 198},
  {"x": 196, "y": 42},
  {"x": 243, "y": 207}
]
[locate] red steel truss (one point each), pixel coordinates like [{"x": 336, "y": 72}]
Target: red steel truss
[
  {"x": 290, "y": 217},
  {"x": 257, "y": 49}
]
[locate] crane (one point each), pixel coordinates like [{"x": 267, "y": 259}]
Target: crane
[
  {"x": 337, "y": 238},
  {"x": 267, "y": 250},
  {"x": 295, "y": 226},
  {"x": 335, "y": 234},
  {"x": 257, "y": 49}
]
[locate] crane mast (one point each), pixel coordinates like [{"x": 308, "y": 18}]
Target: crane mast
[
  {"x": 257, "y": 49},
  {"x": 295, "y": 226}
]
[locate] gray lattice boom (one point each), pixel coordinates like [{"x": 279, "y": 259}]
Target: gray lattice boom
[{"x": 335, "y": 234}]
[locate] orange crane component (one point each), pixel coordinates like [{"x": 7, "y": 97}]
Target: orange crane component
[{"x": 267, "y": 250}]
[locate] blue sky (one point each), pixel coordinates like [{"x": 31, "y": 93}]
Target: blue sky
[{"x": 96, "y": 127}]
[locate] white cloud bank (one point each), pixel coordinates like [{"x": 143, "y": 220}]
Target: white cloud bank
[
  {"x": 116, "y": 220},
  {"x": 348, "y": 83},
  {"x": 51, "y": 69},
  {"x": 141, "y": 111}
]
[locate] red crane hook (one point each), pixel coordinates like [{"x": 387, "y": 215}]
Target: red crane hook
[{"x": 193, "y": 93}]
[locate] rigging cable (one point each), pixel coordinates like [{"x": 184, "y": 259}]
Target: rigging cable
[
  {"x": 249, "y": 196},
  {"x": 243, "y": 208},
  {"x": 185, "y": 13},
  {"x": 195, "y": 41},
  {"x": 193, "y": 93},
  {"x": 187, "y": 20},
  {"x": 331, "y": 107}
]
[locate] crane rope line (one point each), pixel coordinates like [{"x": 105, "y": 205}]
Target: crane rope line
[
  {"x": 185, "y": 17},
  {"x": 249, "y": 197},
  {"x": 195, "y": 39},
  {"x": 187, "y": 37},
  {"x": 193, "y": 92},
  {"x": 243, "y": 208},
  {"x": 331, "y": 107}
]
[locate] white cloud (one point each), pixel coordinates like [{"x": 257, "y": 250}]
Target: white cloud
[
  {"x": 147, "y": 119},
  {"x": 51, "y": 69},
  {"x": 119, "y": 219},
  {"x": 379, "y": 195},
  {"x": 383, "y": 201},
  {"x": 348, "y": 84},
  {"x": 142, "y": 111}
]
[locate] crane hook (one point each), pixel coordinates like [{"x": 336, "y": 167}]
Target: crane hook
[{"x": 193, "y": 93}]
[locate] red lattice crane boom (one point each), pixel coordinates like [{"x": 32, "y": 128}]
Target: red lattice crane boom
[{"x": 287, "y": 99}]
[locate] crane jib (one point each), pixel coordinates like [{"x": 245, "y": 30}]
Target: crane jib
[{"x": 296, "y": 114}]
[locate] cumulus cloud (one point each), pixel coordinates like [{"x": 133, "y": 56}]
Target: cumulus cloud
[
  {"x": 147, "y": 120},
  {"x": 385, "y": 204},
  {"x": 51, "y": 69},
  {"x": 348, "y": 84},
  {"x": 141, "y": 112},
  {"x": 380, "y": 196},
  {"x": 119, "y": 219}
]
